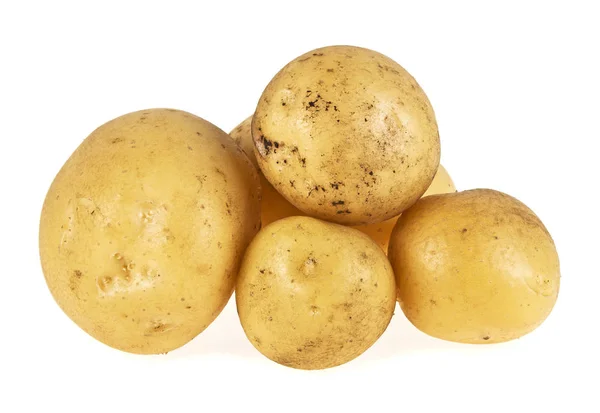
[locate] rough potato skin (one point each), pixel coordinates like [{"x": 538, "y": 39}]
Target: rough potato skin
[
  {"x": 312, "y": 294},
  {"x": 143, "y": 229},
  {"x": 381, "y": 232},
  {"x": 273, "y": 206},
  {"x": 474, "y": 267},
  {"x": 346, "y": 135}
]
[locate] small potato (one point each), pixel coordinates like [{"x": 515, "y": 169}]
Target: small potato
[
  {"x": 273, "y": 206},
  {"x": 474, "y": 267},
  {"x": 380, "y": 232},
  {"x": 144, "y": 227},
  {"x": 345, "y": 134},
  {"x": 312, "y": 294}
]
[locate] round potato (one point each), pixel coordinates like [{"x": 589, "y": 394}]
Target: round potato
[
  {"x": 143, "y": 229},
  {"x": 474, "y": 267},
  {"x": 380, "y": 232},
  {"x": 312, "y": 294},
  {"x": 346, "y": 135},
  {"x": 273, "y": 206}
]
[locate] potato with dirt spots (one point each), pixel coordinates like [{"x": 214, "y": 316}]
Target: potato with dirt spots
[
  {"x": 144, "y": 227},
  {"x": 313, "y": 294},
  {"x": 347, "y": 135},
  {"x": 380, "y": 232},
  {"x": 273, "y": 206},
  {"x": 474, "y": 267}
]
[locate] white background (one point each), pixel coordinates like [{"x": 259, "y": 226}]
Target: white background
[{"x": 516, "y": 92}]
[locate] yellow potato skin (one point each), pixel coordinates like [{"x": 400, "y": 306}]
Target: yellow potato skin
[
  {"x": 347, "y": 135},
  {"x": 475, "y": 266},
  {"x": 273, "y": 205},
  {"x": 380, "y": 232},
  {"x": 313, "y": 294},
  {"x": 143, "y": 229}
]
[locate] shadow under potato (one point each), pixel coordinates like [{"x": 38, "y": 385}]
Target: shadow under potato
[
  {"x": 400, "y": 338},
  {"x": 226, "y": 336}
]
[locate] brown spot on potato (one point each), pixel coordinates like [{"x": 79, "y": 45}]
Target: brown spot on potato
[
  {"x": 220, "y": 172},
  {"x": 157, "y": 327},
  {"x": 308, "y": 266},
  {"x": 105, "y": 283},
  {"x": 74, "y": 280},
  {"x": 264, "y": 146},
  {"x": 201, "y": 179}
]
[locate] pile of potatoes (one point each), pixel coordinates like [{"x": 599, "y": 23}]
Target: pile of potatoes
[{"x": 156, "y": 218}]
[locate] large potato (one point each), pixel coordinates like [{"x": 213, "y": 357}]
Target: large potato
[
  {"x": 380, "y": 232},
  {"x": 273, "y": 206},
  {"x": 312, "y": 294},
  {"x": 474, "y": 267},
  {"x": 347, "y": 135},
  {"x": 143, "y": 229}
]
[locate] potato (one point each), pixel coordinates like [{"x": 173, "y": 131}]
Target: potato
[
  {"x": 380, "y": 232},
  {"x": 273, "y": 206},
  {"x": 474, "y": 267},
  {"x": 144, "y": 227},
  {"x": 312, "y": 294},
  {"x": 347, "y": 135}
]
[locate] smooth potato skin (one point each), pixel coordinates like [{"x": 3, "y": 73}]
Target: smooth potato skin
[
  {"x": 345, "y": 134},
  {"x": 143, "y": 229},
  {"x": 380, "y": 232},
  {"x": 474, "y": 267},
  {"x": 273, "y": 206},
  {"x": 313, "y": 295}
]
